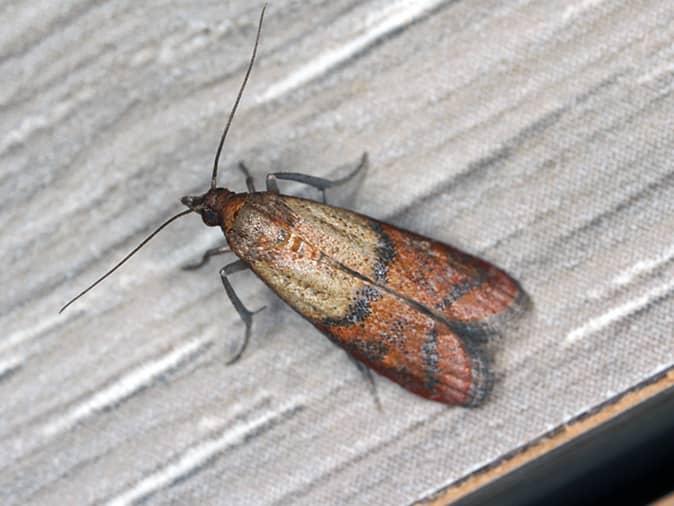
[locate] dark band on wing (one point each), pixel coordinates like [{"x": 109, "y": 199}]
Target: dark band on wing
[
  {"x": 474, "y": 332},
  {"x": 479, "y": 331},
  {"x": 461, "y": 289},
  {"x": 385, "y": 253},
  {"x": 429, "y": 351},
  {"x": 481, "y": 372},
  {"x": 359, "y": 310}
]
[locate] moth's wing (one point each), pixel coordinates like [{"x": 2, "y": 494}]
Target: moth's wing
[
  {"x": 409, "y": 346},
  {"x": 408, "y": 307},
  {"x": 385, "y": 332},
  {"x": 472, "y": 295}
]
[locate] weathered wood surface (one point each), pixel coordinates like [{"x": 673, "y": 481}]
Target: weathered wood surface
[{"x": 537, "y": 134}]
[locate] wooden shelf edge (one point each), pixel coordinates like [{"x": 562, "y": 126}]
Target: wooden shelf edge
[{"x": 556, "y": 438}]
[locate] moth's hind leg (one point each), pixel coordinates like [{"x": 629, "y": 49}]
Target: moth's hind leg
[
  {"x": 366, "y": 372},
  {"x": 317, "y": 182},
  {"x": 221, "y": 250},
  {"x": 245, "y": 314}
]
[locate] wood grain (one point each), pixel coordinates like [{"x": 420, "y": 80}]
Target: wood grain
[{"x": 535, "y": 134}]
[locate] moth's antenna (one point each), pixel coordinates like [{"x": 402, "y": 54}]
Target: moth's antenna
[
  {"x": 119, "y": 264},
  {"x": 236, "y": 102}
]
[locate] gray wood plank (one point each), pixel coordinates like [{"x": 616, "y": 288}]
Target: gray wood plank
[{"x": 537, "y": 134}]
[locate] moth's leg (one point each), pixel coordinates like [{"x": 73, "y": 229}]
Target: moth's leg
[
  {"x": 317, "y": 182},
  {"x": 207, "y": 256},
  {"x": 245, "y": 314},
  {"x": 250, "y": 184},
  {"x": 369, "y": 378}
]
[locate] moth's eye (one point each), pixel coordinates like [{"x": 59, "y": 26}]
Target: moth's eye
[{"x": 210, "y": 217}]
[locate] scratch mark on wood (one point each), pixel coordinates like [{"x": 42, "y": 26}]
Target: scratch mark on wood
[
  {"x": 394, "y": 18},
  {"x": 619, "y": 312},
  {"x": 124, "y": 387},
  {"x": 196, "y": 457}
]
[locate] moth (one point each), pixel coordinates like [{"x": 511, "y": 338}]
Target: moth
[{"x": 414, "y": 310}]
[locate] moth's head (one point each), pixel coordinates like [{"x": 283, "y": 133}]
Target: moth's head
[{"x": 210, "y": 205}]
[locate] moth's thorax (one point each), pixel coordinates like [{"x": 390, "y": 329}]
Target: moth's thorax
[
  {"x": 259, "y": 223},
  {"x": 217, "y": 207},
  {"x": 228, "y": 208}
]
